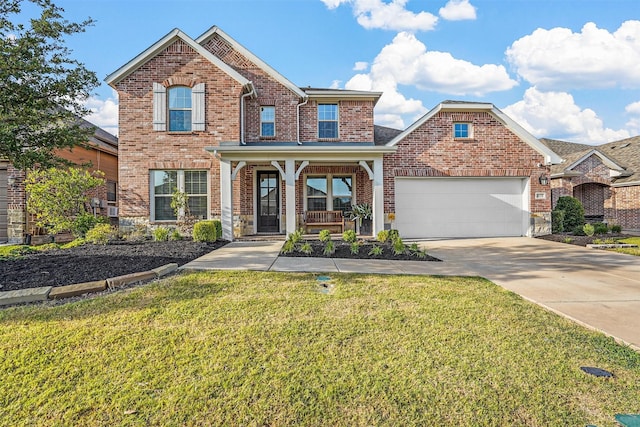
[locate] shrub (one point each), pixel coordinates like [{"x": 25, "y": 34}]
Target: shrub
[
  {"x": 74, "y": 243},
  {"x": 324, "y": 236},
  {"x": 573, "y": 212},
  {"x": 288, "y": 247},
  {"x": 354, "y": 248},
  {"x": 600, "y": 228},
  {"x": 85, "y": 222},
  {"x": 218, "y": 224},
  {"x": 588, "y": 229},
  {"x": 567, "y": 240},
  {"x": 616, "y": 228},
  {"x": 349, "y": 236},
  {"x": 306, "y": 248},
  {"x": 398, "y": 246},
  {"x": 204, "y": 231},
  {"x": 175, "y": 235},
  {"x": 100, "y": 234},
  {"x": 557, "y": 221},
  {"x": 329, "y": 248},
  {"x": 579, "y": 231},
  {"x": 598, "y": 241},
  {"x": 161, "y": 234},
  {"x": 376, "y": 250},
  {"x": 393, "y": 235},
  {"x": 382, "y": 236},
  {"x": 295, "y": 237}
]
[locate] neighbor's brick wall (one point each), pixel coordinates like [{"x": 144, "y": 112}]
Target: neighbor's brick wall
[
  {"x": 627, "y": 207},
  {"x": 142, "y": 149},
  {"x": 494, "y": 151}
]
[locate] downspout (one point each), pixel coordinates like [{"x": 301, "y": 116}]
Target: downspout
[
  {"x": 252, "y": 93},
  {"x": 306, "y": 99}
]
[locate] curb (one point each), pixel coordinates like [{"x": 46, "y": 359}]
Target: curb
[{"x": 61, "y": 292}]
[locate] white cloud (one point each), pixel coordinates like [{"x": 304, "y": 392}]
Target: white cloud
[
  {"x": 406, "y": 61},
  {"x": 104, "y": 114},
  {"x": 394, "y": 16},
  {"x": 633, "y": 124},
  {"x": 458, "y": 10},
  {"x": 335, "y": 84},
  {"x": 555, "y": 114},
  {"x": 360, "y": 66},
  {"x": 592, "y": 58}
]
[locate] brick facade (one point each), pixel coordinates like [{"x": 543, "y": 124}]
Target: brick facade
[{"x": 493, "y": 151}]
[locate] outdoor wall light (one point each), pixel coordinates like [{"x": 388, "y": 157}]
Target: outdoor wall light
[{"x": 543, "y": 180}]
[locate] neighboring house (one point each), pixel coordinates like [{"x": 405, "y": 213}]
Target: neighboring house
[
  {"x": 101, "y": 152},
  {"x": 605, "y": 178},
  {"x": 209, "y": 118}
]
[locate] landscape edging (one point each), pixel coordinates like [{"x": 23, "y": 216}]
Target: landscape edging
[{"x": 77, "y": 289}]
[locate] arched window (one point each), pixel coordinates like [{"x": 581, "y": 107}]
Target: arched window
[{"x": 179, "y": 109}]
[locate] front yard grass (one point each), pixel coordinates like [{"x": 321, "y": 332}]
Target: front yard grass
[
  {"x": 254, "y": 349},
  {"x": 630, "y": 251}
]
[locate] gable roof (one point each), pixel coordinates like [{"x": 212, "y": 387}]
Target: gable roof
[
  {"x": 550, "y": 156},
  {"x": 207, "y": 35},
  {"x": 174, "y": 35},
  {"x": 622, "y": 156}
]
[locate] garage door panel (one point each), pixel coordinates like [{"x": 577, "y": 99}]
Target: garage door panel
[{"x": 460, "y": 207}]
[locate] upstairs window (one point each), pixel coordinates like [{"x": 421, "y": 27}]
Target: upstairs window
[
  {"x": 267, "y": 121},
  {"x": 327, "y": 121},
  {"x": 462, "y": 130},
  {"x": 180, "y": 109}
]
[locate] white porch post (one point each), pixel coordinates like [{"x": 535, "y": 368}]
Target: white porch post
[
  {"x": 290, "y": 194},
  {"x": 226, "y": 200},
  {"x": 378, "y": 196}
]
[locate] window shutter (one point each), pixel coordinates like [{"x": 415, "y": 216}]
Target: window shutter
[
  {"x": 159, "y": 107},
  {"x": 197, "y": 105}
]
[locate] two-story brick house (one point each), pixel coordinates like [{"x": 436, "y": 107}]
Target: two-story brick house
[{"x": 209, "y": 118}]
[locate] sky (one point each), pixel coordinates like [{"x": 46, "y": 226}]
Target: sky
[{"x": 562, "y": 69}]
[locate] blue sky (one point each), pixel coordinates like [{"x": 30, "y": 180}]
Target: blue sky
[{"x": 562, "y": 69}]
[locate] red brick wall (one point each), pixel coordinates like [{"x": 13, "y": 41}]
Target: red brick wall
[
  {"x": 494, "y": 151},
  {"x": 142, "y": 149},
  {"x": 355, "y": 121},
  {"x": 627, "y": 207}
]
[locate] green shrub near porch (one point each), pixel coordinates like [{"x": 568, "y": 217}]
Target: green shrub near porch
[{"x": 205, "y": 231}]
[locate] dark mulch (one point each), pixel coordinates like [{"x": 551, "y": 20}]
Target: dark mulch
[
  {"x": 581, "y": 240},
  {"x": 343, "y": 251},
  {"x": 59, "y": 267}
]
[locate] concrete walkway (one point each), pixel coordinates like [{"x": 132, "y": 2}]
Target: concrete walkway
[{"x": 598, "y": 289}]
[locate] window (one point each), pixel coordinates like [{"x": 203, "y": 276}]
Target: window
[
  {"x": 267, "y": 121},
  {"x": 112, "y": 192},
  {"x": 327, "y": 121},
  {"x": 329, "y": 193},
  {"x": 461, "y": 130},
  {"x": 180, "y": 109},
  {"x": 165, "y": 183},
  {"x": 185, "y": 108}
]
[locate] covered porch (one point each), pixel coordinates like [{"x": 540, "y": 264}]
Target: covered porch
[{"x": 268, "y": 188}]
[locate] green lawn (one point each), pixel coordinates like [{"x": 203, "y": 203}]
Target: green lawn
[
  {"x": 630, "y": 251},
  {"x": 255, "y": 349}
]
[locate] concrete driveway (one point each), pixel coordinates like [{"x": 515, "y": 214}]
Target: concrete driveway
[{"x": 597, "y": 288}]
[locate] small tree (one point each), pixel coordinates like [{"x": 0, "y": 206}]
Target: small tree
[
  {"x": 180, "y": 205},
  {"x": 58, "y": 196}
]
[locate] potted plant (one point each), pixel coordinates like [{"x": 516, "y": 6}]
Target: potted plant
[{"x": 362, "y": 214}]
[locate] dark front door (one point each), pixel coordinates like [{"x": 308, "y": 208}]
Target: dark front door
[{"x": 268, "y": 202}]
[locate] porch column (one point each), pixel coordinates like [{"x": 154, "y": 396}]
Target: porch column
[
  {"x": 290, "y": 194},
  {"x": 226, "y": 200},
  {"x": 378, "y": 197}
]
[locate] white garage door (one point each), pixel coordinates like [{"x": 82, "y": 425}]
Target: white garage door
[{"x": 461, "y": 207}]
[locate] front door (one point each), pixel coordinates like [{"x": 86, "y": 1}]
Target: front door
[{"x": 268, "y": 202}]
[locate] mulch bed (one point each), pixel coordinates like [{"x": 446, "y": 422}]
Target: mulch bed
[
  {"x": 59, "y": 267},
  {"x": 581, "y": 240},
  {"x": 342, "y": 250}
]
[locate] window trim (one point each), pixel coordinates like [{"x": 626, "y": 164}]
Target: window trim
[
  {"x": 329, "y": 177},
  {"x": 272, "y": 107},
  {"x": 190, "y": 109},
  {"x": 115, "y": 193},
  {"x": 469, "y": 130},
  {"x": 337, "y": 121},
  {"x": 181, "y": 185}
]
